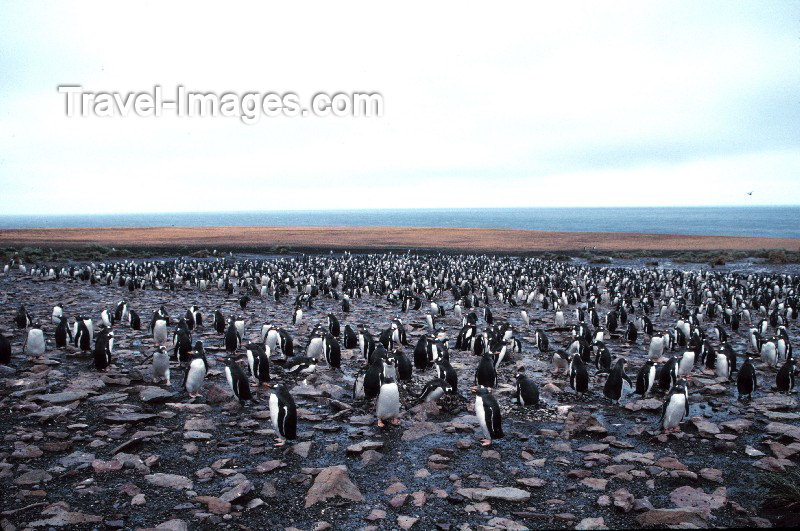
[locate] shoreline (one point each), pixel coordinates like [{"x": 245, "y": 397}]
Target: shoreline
[{"x": 374, "y": 238}]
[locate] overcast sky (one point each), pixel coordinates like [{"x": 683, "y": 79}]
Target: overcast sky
[{"x": 592, "y": 104}]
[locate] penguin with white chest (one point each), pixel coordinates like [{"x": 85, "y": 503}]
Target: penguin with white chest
[
  {"x": 258, "y": 360},
  {"x": 645, "y": 378},
  {"x": 433, "y": 390},
  {"x": 578, "y": 375},
  {"x": 161, "y": 365},
  {"x": 283, "y": 412},
  {"x": 34, "y": 343},
  {"x": 387, "y": 406},
  {"x": 237, "y": 380},
  {"x": 63, "y": 333},
  {"x": 527, "y": 392},
  {"x": 488, "y": 412},
  {"x": 103, "y": 345},
  {"x": 196, "y": 371},
  {"x": 675, "y": 407},
  {"x": 613, "y": 388}
]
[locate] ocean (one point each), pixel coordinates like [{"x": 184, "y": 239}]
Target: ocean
[{"x": 755, "y": 221}]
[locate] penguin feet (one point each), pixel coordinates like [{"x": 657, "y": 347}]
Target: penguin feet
[
  {"x": 486, "y": 442},
  {"x": 396, "y": 421},
  {"x": 380, "y": 423},
  {"x": 279, "y": 442}
]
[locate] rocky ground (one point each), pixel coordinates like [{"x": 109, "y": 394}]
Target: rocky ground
[{"x": 88, "y": 450}]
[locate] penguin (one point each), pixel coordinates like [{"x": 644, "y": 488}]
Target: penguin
[
  {"x": 299, "y": 364},
  {"x": 297, "y": 316},
  {"x": 346, "y": 305},
  {"x": 560, "y": 361},
  {"x": 63, "y": 333},
  {"x": 161, "y": 365},
  {"x": 446, "y": 372},
  {"x": 237, "y": 381},
  {"x": 258, "y": 360},
  {"x": 233, "y": 340},
  {"x": 102, "y": 349},
  {"x": 631, "y": 333},
  {"x": 613, "y": 388},
  {"x": 785, "y": 377},
  {"x": 219, "y": 322},
  {"x": 350, "y": 338},
  {"x": 421, "y": 353},
  {"x": 82, "y": 336},
  {"x": 5, "y": 350},
  {"x": 332, "y": 351},
  {"x": 159, "y": 331},
  {"x": 645, "y": 378},
  {"x": 433, "y": 390},
  {"x": 578, "y": 375},
  {"x": 668, "y": 374},
  {"x": 283, "y": 412},
  {"x": 182, "y": 342},
  {"x": 559, "y": 320},
  {"x": 729, "y": 353},
  {"x": 243, "y": 300},
  {"x": 372, "y": 378},
  {"x": 722, "y": 366},
  {"x": 602, "y": 360},
  {"x": 686, "y": 363},
  {"x": 58, "y": 313},
  {"x": 315, "y": 346},
  {"x": 708, "y": 355},
  {"x": 525, "y": 318},
  {"x": 134, "y": 321},
  {"x": 675, "y": 407},
  {"x": 107, "y": 318},
  {"x": 542, "y": 343},
  {"x": 769, "y": 353},
  {"x": 488, "y": 412},
  {"x": 23, "y": 318},
  {"x": 527, "y": 392},
  {"x": 121, "y": 312},
  {"x": 387, "y": 406},
  {"x": 333, "y": 325},
  {"x": 196, "y": 371},
  {"x": 194, "y": 317},
  {"x": 286, "y": 343},
  {"x": 746, "y": 382},
  {"x": 34, "y": 344},
  {"x": 403, "y": 365},
  {"x": 486, "y": 374}
]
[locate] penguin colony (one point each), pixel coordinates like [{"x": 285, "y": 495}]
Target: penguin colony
[{"x": 609, "y": 334}]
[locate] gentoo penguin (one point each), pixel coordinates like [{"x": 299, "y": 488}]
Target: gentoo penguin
[
  {"x": 433, "y": 390},
  {"x": 82, "y": 336},
  {"x": 486, "y": 374},
  {"x": 315, "y": 346},
  {"x": 686, "y": 363},
  {"x": 34, "y": 344},
  {"x": 219, "y": 321},
  {"x": 785, "y": 377},
  {"x": 527, "y": 393},
  {"x": 388, "y": 403},
  {"x": 58, "y": 313},
  {"x": 107, "y": 318},
  {"x": 346, "y": 305},
  {"x": 602, "y": 360},
  {"x": 645, "y": 378},
  {"x": 542, "y": 343},
  {"x": 23, "y": 318},
  {"x": 102, "y": 349},
  {"x": 729, "y": 353},
  {"x": 232, "y": 338},
  {"x": 403, "y": 364},
  {"x": 746, "y": 381},
  {"x": 668, "y": 374},
  {"x": 578, "y": 375},
  {"x": 258, "y": 360},
  {"x": 286, "y": 343},
  {"x": 283, "y": 412},
  {"x": 237, "y": 381},
  {"x": 707, "y": 355},
  {"x": 5, "y": 350},
  {"x": 722, "y": 366},
  {"x": 769, "y": 352},
  {"x": 372, "y": 378},
  {"x": 560, "y": 321},
  {"x": 560, "y": 361},
  {"x": 488, "y": 412},
  {"x": 613, "y": 388},
  {"x": 631, "y": 333},
  {"x": 350, "y": 338},
  {"x": 182, "y": 341},
  {"x": 121, "y": 312},
  {"x": 333, "y": 325},
  {"x": 446, "y": 372},
  {"x": 63, "y": 333},
  {"x": 194, "y": 318},
  {"x": 675, "y": 407},
  {"x": 134, "y": 321},
  {"x": 161, "y": 365},
  {"x": 196, "y": 371},
  {"x": 299, "y": 364},
  {"x": 656, "y": 349},
  {"x": 243, "y": 300},
  {"x": 159, "y": 331},
  {"x": 297, "y": 316}
]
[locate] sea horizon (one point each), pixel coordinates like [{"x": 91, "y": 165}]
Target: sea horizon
[{"x": 754, "y": 221}]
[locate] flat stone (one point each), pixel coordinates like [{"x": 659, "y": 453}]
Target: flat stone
[
  {"x": 153, "y": 394},
  {"x": 172, "y": 481},
  {"x": 592, "y": 523},
  {"x": 331, "y": 482}
]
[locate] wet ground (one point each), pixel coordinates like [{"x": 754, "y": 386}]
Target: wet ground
[{"x": 94, "y": 455}]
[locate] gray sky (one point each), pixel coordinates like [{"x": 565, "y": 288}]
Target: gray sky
[{"x": 529, "y": 104}]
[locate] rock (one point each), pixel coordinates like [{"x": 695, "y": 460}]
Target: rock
[
  {"x": 592, "y": 523},
  {"x": 241, "y": 489},
  {"x": 752, "y": 452},
  {"x": 636, "y": 457},
  {"x": 420, "y": 429},
  {"x": 687, "y": 496},
  {"x": 511, "y": 494},
  {"x": 376, "y": 514},
  {"x": 332, "y": 481},
  {"x": 578, "y": 422},
  {"x": 672, "y": 517},
  {"x": 33, "y": 477},
  {"x": 302, "y": 449},
  {"x": 103, "y": 467},
  {"x": 711, "y": 474},
  {"x": 648, "y": 404},
  {"x": 504, "y": 523},
  {"x": 172, "y": 481},
  {"x": 76, "y": 458},
  {"x": 62, "y": 397},
  {"x": 623, "y": 500},
  {"x": 63, "y": 518},
  {"x": 215, "y": 505},
  {"x": 406, "y": 522},
  {"x": 153, "y": 394},
  {"x": 398, "y": 500},
  {"x": 369, "y": 457},
  {"x": 779, "y": 428},
  {"x": 532, "y": 482},
  {"x": 138, "y": 499},
  {"x": 123, "y": 418},
  {"x": 595, "y": 483},
  {"x": 772, "y": 464},
  {"x": 269, "y": 466},
  {"x": 173, "y": 525},
  {"x": 671, "y": 463},
  {"x": 196, "y": 436},
  {"x": 704, "y": 427},
  {"x": 736, "y": 425}
]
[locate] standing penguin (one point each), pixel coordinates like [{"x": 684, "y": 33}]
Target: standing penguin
[
  {"x": 5, "y": 350},
  {"x": 102, "y": 349},
  {"x": 182, "y": 341},
  {"x": 333, "y": 325},
  {"x": 614, "y": 384},
  {"x": 219, "y": 321},
  {"x": 258, "y": 360},
  {"x": 34, "y": 344},
  {"x": 446, "y": 372},
  {"x": 488, "y": 412},
  {"x": 645, "y": 378},
  {"x": 161, "y": 365},
  {"x": 486, "y": 374},
  {"x": 196, "y": 371},
  {"x": 388, "y": 404},
  {"x": 237, "y": 380},
  {"x": 675, "y": 407},
  {"x": 578, "y": 375},
  {"x": 746, "y": 381},
  {"x": 134, "y": 321},
  {"x": 297, "y": 316},
  {"x": 58, "y": 313},
  {"x": 63, "y": 333},
  {"x": 722, "y": 367},
  {"x": 159, "y": 331},
  {"x": 527, "y": 393},
  {"x": 83, "y": 337},
  {"x": 785, "y": 377},
  {"x": 668, "y": 374},
  {"x": 372, "y": 378},
  {"x": 23, "y": 318},
  {"x": 542, "y": 343},
  {"x": 350, "y": 338},
  {"x": 283, "y": 412},
  {"x": 232, "y": 338}
]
